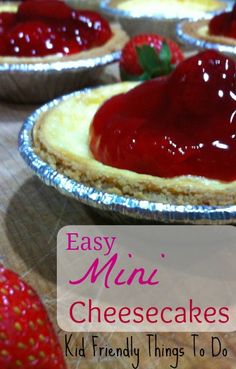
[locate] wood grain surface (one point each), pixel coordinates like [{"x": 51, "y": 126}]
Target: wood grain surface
[{"x": 30, "y": 216}]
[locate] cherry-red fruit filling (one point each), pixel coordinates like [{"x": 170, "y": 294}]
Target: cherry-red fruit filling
[
  {"x": 183, "y": 124},
  {"x": 42, "y": 27},
  {"x": 224, "y": 24},
  {"x": 7, "y": 20}
]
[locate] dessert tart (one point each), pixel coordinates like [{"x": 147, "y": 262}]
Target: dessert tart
[
  {"x": 38, "y": 38},
  {"x": 161, "y": 17},
  {"x": 217, "y": 33},
  {"x": 175, "y": 8},
  {"x": 47, "y": 31},
  {"x": 147, "y": 142}
]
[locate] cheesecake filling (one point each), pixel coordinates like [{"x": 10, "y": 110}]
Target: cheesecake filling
[
  {"x": 183, "y": 124},
  {"x": 173, "y": 8},
  {"x": 40, "y": 28},
  {"x": 224, "y": 24}
]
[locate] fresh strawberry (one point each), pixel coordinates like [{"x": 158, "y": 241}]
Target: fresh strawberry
[
  {"x": 27, "y": 338},
  {"x": 148, "y": 56}
]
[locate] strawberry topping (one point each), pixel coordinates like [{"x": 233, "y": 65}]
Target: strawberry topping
[
  {"x": 224, "y": 24},
  {"x": 41, "y": 28},
  {"x": 183, "y": 124},
  {"x": 31, "y": 38},
  {"x": 33, "y": 10},
  {"x": 7, "y": 20}
]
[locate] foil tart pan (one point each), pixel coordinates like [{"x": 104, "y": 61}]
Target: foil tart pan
[
  {"x": 121, "y": 209},
  {"x": 41, "y": 82},
  {"x": 83, "y": 4},
  {"x": 134, "y": 23},
  {"x": 201, "y": 44}
]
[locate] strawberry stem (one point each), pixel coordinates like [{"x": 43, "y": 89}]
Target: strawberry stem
[{"x": 154, "y": 64}]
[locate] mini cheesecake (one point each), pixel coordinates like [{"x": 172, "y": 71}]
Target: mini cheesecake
[
  {"x": 173, "y": 8},
  {"x": 161, "y": 17},
  {"x": 197, "y": 34},
  {"x": 21, "y": 27},
  {"x": 211, "y": 33},
  {"x": 48, "y": 49},
  {"x": 128, "y": 139}
]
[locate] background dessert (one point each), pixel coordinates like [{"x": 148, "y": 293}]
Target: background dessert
[
  {"x": 138, "y": 16},
  {"x": 31, "y": 73},
  {"x": 216, "y": 32},
  {"x": 178, "y": 8}
]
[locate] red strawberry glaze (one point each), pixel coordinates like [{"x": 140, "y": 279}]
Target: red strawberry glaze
[
  {"x": 41, "y": 28},
  {"x": 184, "y": 124},
  {"x": 224, "y": 24},
  {"x": 7, "y": 20}
]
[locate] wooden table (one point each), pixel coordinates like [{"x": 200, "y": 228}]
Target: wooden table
[{"x": 30, "y": 216}]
